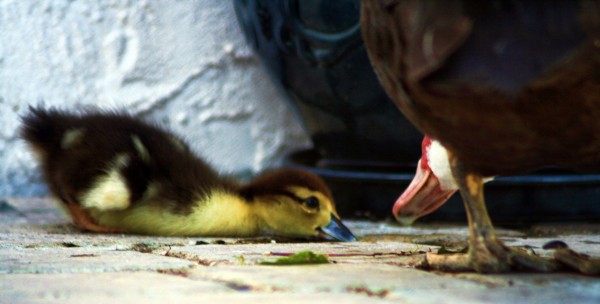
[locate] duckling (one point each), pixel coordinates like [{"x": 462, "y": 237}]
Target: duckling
[{"x": 115, "y": 173}]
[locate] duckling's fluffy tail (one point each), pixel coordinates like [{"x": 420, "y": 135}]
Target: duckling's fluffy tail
[
  {"x": 43, "y": 128},
  {"x": 86, "y": 152}
]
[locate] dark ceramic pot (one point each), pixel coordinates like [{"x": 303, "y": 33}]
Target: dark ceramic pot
[
  {"x": 364, "y": 148},
  {"x": 314, "y": 50}
]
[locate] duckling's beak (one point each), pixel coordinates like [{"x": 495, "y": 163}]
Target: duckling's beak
[{"x": 337, "y": 230}]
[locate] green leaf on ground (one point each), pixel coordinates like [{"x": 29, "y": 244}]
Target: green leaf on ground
[{"x": 299, "y": 258}]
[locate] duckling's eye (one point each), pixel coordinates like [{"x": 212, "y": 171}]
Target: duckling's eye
[{"x": 312, "y": 202}]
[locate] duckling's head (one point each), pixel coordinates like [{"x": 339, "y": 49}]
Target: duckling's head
[{"x": 296, "y": 203}]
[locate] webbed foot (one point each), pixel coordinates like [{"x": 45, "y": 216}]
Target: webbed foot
[
  {"x": 577, "y": 261},
  {"x": 82, "y": 219},
  {"x": 491, "y": 256}
]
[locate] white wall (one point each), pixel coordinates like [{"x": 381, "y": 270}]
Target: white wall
[{"x": 183, "y": 63}]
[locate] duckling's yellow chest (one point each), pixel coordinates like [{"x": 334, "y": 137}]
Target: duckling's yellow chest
[{"x": 219, "y": 214}]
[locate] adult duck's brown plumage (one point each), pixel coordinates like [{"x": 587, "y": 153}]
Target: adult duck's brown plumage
[
  {"x": 116, "y": 173},
  {"x": 505, "y": 86}
]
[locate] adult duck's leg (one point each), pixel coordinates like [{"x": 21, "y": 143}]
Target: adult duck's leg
[{"x": 486, "y": 252}]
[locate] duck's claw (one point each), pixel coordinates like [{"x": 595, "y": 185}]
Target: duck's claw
[
  {"x": 578, "y": 261},
  {"x": 490, "y": 256}
]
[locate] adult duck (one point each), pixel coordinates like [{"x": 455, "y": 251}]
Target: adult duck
[{"x": 506, "y": 87}]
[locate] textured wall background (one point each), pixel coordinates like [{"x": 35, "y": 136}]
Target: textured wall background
[{"x": 182, "y": 63}]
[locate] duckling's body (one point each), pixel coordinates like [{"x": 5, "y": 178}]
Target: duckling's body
[
  {"x": 115, "y": 173},
  {"x": 201, "y": 220}
]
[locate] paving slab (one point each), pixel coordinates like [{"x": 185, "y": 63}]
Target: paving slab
[
  {"x": 98, "y": 259},
  {"x": 44, "y": 259},
  {"x": 397, "y": 253},
  {"x": 108, "y": 287},
  {"x": 408, "y": 285}
]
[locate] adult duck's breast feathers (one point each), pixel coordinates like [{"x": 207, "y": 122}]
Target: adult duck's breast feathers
[{"x": 476, "y": 75}]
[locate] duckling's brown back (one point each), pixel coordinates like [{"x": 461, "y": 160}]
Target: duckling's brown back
[{"x": 77, "y": 149}]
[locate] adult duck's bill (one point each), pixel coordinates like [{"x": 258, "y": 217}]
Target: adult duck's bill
[
  {"x": 423, "y": 196},
  {"x": 337, "y": 230}
]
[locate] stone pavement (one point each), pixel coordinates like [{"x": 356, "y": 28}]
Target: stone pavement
[{"x": 43, "y": 259}]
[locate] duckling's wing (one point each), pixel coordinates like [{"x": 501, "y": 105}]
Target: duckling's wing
[{"x": 109, "y": 161}]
